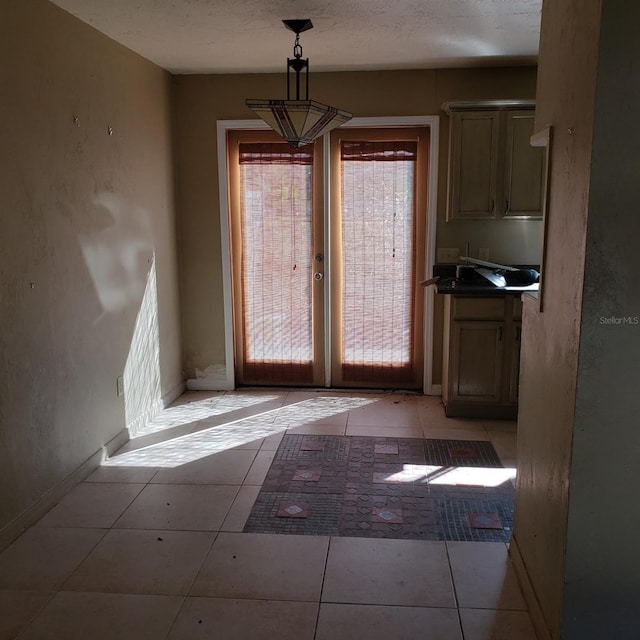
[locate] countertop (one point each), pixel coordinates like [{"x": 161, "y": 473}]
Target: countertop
[{"x": 477, "y": 287}]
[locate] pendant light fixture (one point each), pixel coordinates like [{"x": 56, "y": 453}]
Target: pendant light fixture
[{"x": 298, "y": 121}]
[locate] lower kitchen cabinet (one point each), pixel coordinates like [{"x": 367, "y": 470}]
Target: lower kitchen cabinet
[{"x": 481, "y": 356}]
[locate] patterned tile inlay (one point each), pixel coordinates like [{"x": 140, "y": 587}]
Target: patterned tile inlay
[
  {"x": 391, "y": 449},
  {"x": 386, "y": 477},
  {"x": 404, "y": 488},
  {"x": 306, "y": 475},
  {"x": 387, "y": 515},
  {"x": 484, "y": 521},
  {"x": 323, "y": 514},
  {"x": 454, "y": 523},
  {"x": 293, "y": 510},
  {"x": 302, "y": 447},
  {"x": 463, "y": 452},
  {"x": 309, "y": 444},
  {"x": 460, "y": 453}
]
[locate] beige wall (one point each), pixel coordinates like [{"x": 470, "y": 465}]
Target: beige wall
[
  {"x": 602, "y": 577},
  {"x": 551, "y": 340},
  {"x": 576, "y": 522},
  {"x": 202, "y": 100},
  {"x": 87, "y": 229}
]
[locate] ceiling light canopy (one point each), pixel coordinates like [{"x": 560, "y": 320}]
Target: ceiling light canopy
[{"x": 298, "y": 121}]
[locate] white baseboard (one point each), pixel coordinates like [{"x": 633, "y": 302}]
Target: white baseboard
[
  {"x": 215, "y": 377},
  {"x": 436, "y": 390},
  {"x": 114, "y": 444},
  {"x": 136, "y": 425},
  {"x": 209, "y": 384},
  {"x": 35, "y": 511},
  {"x": 535, "y": 611},
  {"x": 173, "y": 394}
]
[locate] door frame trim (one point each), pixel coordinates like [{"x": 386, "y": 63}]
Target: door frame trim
[{"x": 433, "y": 122}]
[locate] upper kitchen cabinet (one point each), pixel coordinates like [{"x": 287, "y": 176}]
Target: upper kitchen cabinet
[
  {"x": 494, "y": 172},
  {"x": 523, "y": 167},
  {"x": 473, "y": 164}
]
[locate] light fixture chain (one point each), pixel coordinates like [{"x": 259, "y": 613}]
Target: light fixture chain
[{"x": 297, "y": 47}]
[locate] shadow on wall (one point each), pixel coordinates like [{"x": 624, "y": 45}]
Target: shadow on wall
[{"x": 121, "y": 261}]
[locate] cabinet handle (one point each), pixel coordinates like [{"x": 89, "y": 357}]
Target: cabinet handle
[
  {"x": 499, "y": 334},
  {"x": 493, "y": 207},
  {"x": 507, "y": 208},
  {"x": 518, "y": 333}
]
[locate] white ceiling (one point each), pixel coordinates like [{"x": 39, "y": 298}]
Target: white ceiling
[{"x": 239, "y": 36}]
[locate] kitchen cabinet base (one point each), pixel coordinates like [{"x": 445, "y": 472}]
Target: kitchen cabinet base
[{"x": 481, "y": 356}]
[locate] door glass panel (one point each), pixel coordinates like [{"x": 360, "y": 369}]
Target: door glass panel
[
  {"x": 276, "y": 264},
  {"x": 377, "y": 228}
]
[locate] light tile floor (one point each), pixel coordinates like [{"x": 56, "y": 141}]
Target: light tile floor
[{"x": 150, "y": 546}]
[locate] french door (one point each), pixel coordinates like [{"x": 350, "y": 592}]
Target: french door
[{"x": 313, "y": 279}]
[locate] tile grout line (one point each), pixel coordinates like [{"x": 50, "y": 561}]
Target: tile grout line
[
  {"x": 255, "y": 455},
  {"x": 113, "y": 524},
  {"x": 455, "y": 591},
  {"x": 37, "y": 613},
  {"x": 175, "y": 618},
  {"x": 324, "y": 575},
  {"x": 204, "y": 559},
  {"x": 84, "y": 559}
]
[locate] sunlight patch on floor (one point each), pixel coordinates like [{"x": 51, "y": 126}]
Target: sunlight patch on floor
[
  {"x": 194, "y": 446},
  {"x": 195, "y": 411},
  {"x": 453, "y": 476},
  {"x": 323, "y": 408},
  {"x": 229, "y": 435}
]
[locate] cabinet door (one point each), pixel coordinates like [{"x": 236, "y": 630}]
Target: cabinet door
[
  {"x": 524, "y": 168},
  {"x": 514, "y": 362},
  {"x": 473, "y": 164},
  {"x": 475, "y": 373}
]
